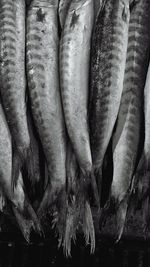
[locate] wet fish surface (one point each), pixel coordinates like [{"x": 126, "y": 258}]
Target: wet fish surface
[
  {"x": 74, "y": 73},
  {"x": 127, "y": 135},
  {"x": 141, "y": 183},
  {"x": 74, "y": 77},
  {"x": 108, "y": 58},
  {"x": 13, "y": 81},
  {"x": 43, "y": 81},
  {"x": 24, "y": 214}
]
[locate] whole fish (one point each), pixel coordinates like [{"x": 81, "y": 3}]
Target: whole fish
[
  {"x": 127, "y": 135},
  {"x": 74, "y": 77},
  {"x": 43, "y": 82},
  {"x": 25, "y": 215},
  {"x": 63, "y": 9},
  {"x": 109, "y": 47},
  {"x": 141, "y": 183},
  {"x": 13, "y": 81}
]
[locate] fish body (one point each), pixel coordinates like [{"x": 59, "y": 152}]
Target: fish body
[
  {"x": 63, "y": 9},
  {"x": 142, "y": 175},
  {"x": 13, "y": 80},
  {"x": 127, "y": 135},
  {"x": 108, "y": 58},
  {"x": 43, "y": 82},
  {"x": 74, "y": 77},
  {"x": 23, "y": 211}
]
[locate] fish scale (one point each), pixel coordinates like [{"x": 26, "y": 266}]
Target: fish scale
[
  {"x": 43, "y": 82},
  {"x": 79, "y": 139},
  {"x": 109, "y": 46},
  {"x": 127, "y": 135},
  {"x": 13, "y": 90}
]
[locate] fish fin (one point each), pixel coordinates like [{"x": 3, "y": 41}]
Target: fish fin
[
  {"x": 118, "y": 209},
  {"x": 107, "y": 211},
  {"x": 16, "y": 166},
  {"x": 141, "y": 183},
  {"x": 70, "y": 229},
  {"x": 26, "y": 218},
  {"x": 24, "y": 225},
  {"x": 88, "y": 227},
  {"x": 53, "y": 204}
]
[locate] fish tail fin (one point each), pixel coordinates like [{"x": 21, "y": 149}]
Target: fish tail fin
[
  {"x": 118, "y": 210},
  {"x": 140, "y": 190},
  {"x": 70, "y": 229},
  {"x": 88, "y": 227},
  {"x": 24, "y": 225},
  {"x": 26, "y": 218},
  {"x": 17, "y": 162},
  {"x": 54, "y": 204},
  {"x": 107, "y": 211}
]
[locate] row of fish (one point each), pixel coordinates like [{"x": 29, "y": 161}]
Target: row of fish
[{"x": 72, "y": 81}]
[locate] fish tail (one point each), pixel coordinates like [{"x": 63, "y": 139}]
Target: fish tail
[
  {"x": 17, "y": 163},
  {"x": 118, "y": 210},
  {"x": 24, "y": 225},
  {"x": 107, "y": 211},
  {"x": 88, "y": 227},
  {"x": 70, "y": 230},
  {"x": 141, "y": 183},
  {"x": 27, "y": 219}
]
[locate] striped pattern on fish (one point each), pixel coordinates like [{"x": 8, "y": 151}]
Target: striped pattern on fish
[
  {"x": 43, "y": 81},
  {"x": 127, "y": 136},
  {"x": 27, "y": 218},
  {"x": 109, "y": 47},
  {"x": 13, "y": 81}
]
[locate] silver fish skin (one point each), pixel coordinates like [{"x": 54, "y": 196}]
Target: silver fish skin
[
  {"x": 13, "y": 80},
  {"x": 43, "y": 81},
  {"x": 127, "y": 135},
  {"x": 25, "y": 215},
  {"x": 108, "y": 58},
  {"x": 141, "y": 183},
  {"x": 63, "y": 9},
  {"x": 74, "y": 77}
]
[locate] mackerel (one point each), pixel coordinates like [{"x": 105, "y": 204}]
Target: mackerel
[
  {"x": 24, "y": 214},
  {"x": 13, "y": 81},
  {"x": 126, "y": 139},
  {"x": 108, "y": 58},
  {"x": 74, "y": 77},
  {"x": 43, "y": 82}
]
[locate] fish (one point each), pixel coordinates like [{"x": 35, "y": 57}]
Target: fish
[
  {"x": 74, "y": 79},
  {"x": 108, "y": 59},
  {"x": 141, "y": 182},
  {"x": 22, "y": 209},
  {"x": 13, "y": 83},
  {"x": 42, "y": 44},
  {"x": 126, "y": 138},
  {"x": 63, "y": 9}
]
